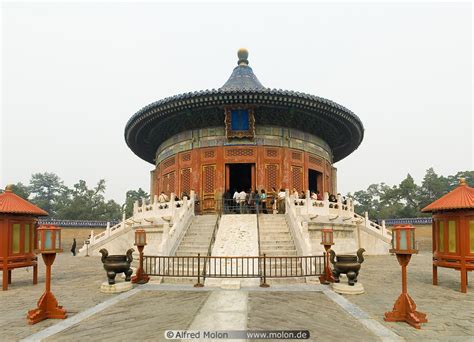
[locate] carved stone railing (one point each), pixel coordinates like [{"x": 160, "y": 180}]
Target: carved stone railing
[
  {"x": 298, "y": 228},
  {"x": 301, "y": 211},
  {"x": 173, "y": 215},
  {"x": 175, "y": 229}
]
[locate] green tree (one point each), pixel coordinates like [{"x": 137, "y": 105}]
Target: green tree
[
  {"x": 46, "y": 188},
  {"x": 432, "y": 187},
  {"x": 83, "y": 203},
  {"x": 21, "y": 190},
  {"x": 132, "y": 196},
  {"x": 409, "y": 194}
]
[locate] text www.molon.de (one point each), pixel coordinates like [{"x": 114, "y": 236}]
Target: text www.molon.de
[{"x": 238, "y": 334}]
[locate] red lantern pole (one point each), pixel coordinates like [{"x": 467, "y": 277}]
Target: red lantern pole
[
  {"x": 140, "y": 241},
  {"x": 404, "y": 309},
  {"x": 48, "y": 305}
]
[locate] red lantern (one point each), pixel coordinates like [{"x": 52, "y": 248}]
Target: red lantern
[
  {"x": 403, "y": 239},
  {"x": 140, "y": 238},
  {"x": 327, "y": 236}
]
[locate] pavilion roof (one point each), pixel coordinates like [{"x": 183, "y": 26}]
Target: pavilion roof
[
  {"x": 460, "y": 198},
  {"x": 10, "y": 203},
  {"x": 339, "y": 127}
]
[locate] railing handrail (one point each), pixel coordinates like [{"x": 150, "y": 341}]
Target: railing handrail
[
  {"x": 213, "y": 238},
  {"x": 235, "y": 266}
]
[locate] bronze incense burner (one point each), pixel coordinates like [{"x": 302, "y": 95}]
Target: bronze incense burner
[
  {"x": 114, "y": 264},
  {"x": 347, "y": 264}
]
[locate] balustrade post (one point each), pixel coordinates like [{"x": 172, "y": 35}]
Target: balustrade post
[
  {"x": 325, "y": 204},
  {"x": 192, "y": 197},
  {"x": 264, "y": 284},
  {"x": 309, "y": 202},
  {"x": 383, "y": 228},
  {"x": 135, "y": 208},
  {"x": 172, "y": 204},
  {"x": 107, "y": 229},
  {"x": 155, "y": 203},
  {"x": 199, "y": 272},
  {"x": 366, "y": 215},
  {"x": 339, "y": 205}
]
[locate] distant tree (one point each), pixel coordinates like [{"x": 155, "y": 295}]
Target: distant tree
[
  {"x": 83, "y": 203},
  {"x": 409, "y": 194},
  {"x": 432, "y": 187},
  {"x": 131, "y": 197},
  {"x": 407, "y": 199},
  {"x": 46, "y": 188},
  {"x": 21, "y": 190}
]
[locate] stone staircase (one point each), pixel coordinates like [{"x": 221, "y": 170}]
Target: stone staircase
[
  {"x": 276, "y": 240},
  {"x": 196, "y": 240}
]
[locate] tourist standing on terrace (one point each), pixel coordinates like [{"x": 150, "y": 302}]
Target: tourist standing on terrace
[
  {"x": 263, "y": 201},
  {"x": 73, "y": 247}
]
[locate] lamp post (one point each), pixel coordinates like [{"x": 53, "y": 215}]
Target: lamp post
[
  {"x": 404, "y": 309},
  {"x": 327, "y": 240},
  {"x": 87, "y": 242},
  {"x": 140, "y": 241},
  {"x": 49, "y": 243}
]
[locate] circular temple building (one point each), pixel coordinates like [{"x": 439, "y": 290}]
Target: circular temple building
[{"x": 242, "y": 136}]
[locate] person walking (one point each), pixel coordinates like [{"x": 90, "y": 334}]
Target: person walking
[
  {"x": 263, "y": 201},
  {"x": 73, "y": 247}
]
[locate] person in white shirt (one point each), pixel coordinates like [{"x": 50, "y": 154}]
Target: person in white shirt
[
  {"x": 241, "y": 199},
  {"x": 281, "y": 201}
]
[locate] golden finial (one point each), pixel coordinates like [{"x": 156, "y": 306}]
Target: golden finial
[
  {"x": 9, "y": 188},
  {"x": 243, "y": 54},
  {"x": 462, "y": 181}
]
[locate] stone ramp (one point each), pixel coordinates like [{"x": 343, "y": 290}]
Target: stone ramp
[
  {"x": 276, "y": 241},
  {"x": 237, "y": 236},
  {"x": 196, "y": 240}
]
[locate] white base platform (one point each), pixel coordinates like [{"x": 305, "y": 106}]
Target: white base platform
[
  {"x": 347, "y": 289},
  {"x": 116, "y": 288}
]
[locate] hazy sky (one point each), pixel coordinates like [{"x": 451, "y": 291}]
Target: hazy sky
[{"x": 73, "y": 74}]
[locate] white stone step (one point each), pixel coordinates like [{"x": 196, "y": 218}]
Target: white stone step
[
  {"x": 274, "y": 248},
  {"x": 281, "y": 253},
  {"x": 270, "y": 243}
]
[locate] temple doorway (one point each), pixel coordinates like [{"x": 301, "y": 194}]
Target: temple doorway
[
  {"x": 240, "y": 177},
  {"x": 315, "y": 180}
]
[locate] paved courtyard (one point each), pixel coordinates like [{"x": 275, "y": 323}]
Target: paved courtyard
[{"x": 149, "y": 310}]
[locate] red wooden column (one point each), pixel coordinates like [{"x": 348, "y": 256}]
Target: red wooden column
[{"x": 227, "y": 177}]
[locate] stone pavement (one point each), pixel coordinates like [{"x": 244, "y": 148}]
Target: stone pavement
[
  {"x": 145, "y": 315},
  {"x": 450, "y": 312}
]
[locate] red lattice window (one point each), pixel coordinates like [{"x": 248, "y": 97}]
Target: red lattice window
[
  {"x": 209, "y": 154},
  {"x": 169, "y": 162},
  {"x": 186, "y": 180},
  {"x": 271, "y": 176},
  {"x": 169, "y": 182},
  {"x": 186, "y": 157},
  {"x": 296, "y": 155},
  {"x": 297, "y": 177},
  {"x": 208, "y": 179},
  {"x": 239, "y": 152},
  {"x": 272, "y": 153}
]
